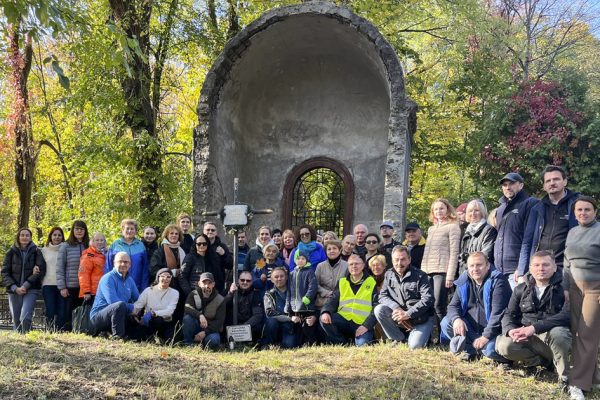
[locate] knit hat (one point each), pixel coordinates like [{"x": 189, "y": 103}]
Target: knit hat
[
  {"x": 462, "y": 208},
  {"x": 162, "y": 271}
]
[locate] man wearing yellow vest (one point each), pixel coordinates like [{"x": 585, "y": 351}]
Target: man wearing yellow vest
[{"x": 348, "y": 314}]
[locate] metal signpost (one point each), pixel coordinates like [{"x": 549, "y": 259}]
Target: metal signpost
[{"x": 235, "y": 218}]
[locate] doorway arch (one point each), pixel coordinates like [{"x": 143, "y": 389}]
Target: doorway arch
[{"x": 319, "y": 192}]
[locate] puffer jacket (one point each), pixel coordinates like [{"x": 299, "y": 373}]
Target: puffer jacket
[
  {"x": 511, "y": 220},
  {"x": 91, "y": 269},
  {"x": 482, "y": 239},
  {"x": 441, "y": 249},
  {"x": 67, "y": 265},
  {"x": 302, "y": 283},
  {"x": 328, "y": 277},
  {"x": 524, "y": 308},
  {"x": 17, "y": 270}
]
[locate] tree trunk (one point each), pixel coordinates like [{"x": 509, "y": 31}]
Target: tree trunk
[
  {"x": 133, "y": 17},
  {"x": 19, "y": 121}
]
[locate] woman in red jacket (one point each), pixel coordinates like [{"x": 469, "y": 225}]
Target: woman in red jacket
[{"x": 91, "y": 267}]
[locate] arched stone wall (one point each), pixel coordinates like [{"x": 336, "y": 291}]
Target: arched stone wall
[{"x": 304, "y": 81}]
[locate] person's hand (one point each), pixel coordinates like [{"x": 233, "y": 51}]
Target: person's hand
[
  {"x": 399, "y": 315},
  {"x": 296, "y": 319},
  {"x": 263, "y": 278},
  {"x": 64, "y": 292},
  {"x": 519, "y": 279},
  {"x": 175, "y": 272},
  {"x": 480, "y": 342},
  {"x": 87, "y": 297},
  {"x": 361, "y": 330},
  {"x": 21, "y": 291},
  {"x": 199, "y": 337},
  {"x": 36, "y": 270},
  {"x": 459, "y": 327},
  {"x": 449, "y": 284},
  {"x": 326, "y": 318},
  {"x": 310, "y": 321},
  {"x": 329, "y": 294},
  {"x": 220, "y": 250},
  {"x": 203, "y": 321},
  {"x": 233, "y": 288}
]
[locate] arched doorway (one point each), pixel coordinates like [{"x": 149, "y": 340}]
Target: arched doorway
[{"x": 319, "y": 192}]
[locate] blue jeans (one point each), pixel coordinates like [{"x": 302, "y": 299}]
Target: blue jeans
[
  {"x": 340, "y": 330},
  {"x": 52, "y": 300},
  {"x": 112, "y": 318},
  {"x": 191, "y": 327},
  {"x": 283, "y": 332},
  {"x": 21, "y": 309},
  {"x": 417, "y": 337},
  {"x": 489, "y": 350}
]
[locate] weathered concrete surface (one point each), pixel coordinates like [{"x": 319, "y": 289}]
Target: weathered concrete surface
[{"x": 300, "y": 82}]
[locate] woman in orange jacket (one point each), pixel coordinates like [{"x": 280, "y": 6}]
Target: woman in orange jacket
[{"x": 91, "y": 267}]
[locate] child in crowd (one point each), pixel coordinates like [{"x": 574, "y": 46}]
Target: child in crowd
[{"x": 301, "y": 297}]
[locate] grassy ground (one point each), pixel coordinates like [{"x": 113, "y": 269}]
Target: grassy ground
[{"x": 47, "y": 366}]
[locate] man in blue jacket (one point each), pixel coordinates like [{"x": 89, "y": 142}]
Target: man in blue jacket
[
  {"x": 113, "y": 305},
  {"x": 475, "y": 313},
  {"x": 511, "y": 220},
  {"x": 549, "y": 221}
]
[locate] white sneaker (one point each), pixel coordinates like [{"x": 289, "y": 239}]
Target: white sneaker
[{"x": 576, "y": 393}]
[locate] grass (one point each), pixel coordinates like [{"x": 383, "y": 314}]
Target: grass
[{"x": 43, "y": 365}]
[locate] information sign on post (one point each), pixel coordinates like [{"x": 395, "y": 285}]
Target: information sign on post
[{"x": 239, "y": 333}]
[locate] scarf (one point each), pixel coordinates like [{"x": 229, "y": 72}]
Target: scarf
[
  {"x": 472, "y": 228},
  {"x": 307, "y": 247},
  {"x": 169, "y": 256},
  {"x": 260, "y": 245}
]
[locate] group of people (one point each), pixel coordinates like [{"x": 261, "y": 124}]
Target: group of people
[{"x": 523, "y": 282}]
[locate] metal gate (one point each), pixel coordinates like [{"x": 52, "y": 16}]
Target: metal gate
[{"x": 6, "y": 318}]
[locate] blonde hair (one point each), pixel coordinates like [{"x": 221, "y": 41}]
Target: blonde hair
[
  {"x": 451, "y": 212},
  {"x": 129, "y": 221},
  {"x": 480, "y": 205},
  {"x": 379, "y": 258}
]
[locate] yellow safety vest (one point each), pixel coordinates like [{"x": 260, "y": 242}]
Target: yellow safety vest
[{"x": 356, "y": 307}]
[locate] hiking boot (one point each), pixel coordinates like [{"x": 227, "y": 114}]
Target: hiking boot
[
  {"x": 576, "y": 393},
  {"x": 466, "y": 357},
  {"x": 503, "y": 366}
]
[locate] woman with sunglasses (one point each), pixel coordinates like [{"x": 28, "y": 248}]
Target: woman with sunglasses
[
  {"x": 307, "y": 244},
  {"x": 195, "y": 264},
  {"x": 373, "y": 246}
]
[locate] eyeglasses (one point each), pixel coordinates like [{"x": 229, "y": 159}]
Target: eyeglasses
[
  {"x": 165, "y": 276},
  {"x": 304, "y": 234},
  {"x": 210, "y": 230},
  {"x": 371, "y": 242},
  {"x": 246, "y": 280},
  {"x": 201, "y": 244}
]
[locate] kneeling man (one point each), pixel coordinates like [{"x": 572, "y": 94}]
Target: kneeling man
[
  {"x": 113, "y": 306},
  {"x": 535, "y": 327},
  {"x": 405, "y": 302},
  {"x": 475, "y": 313}
]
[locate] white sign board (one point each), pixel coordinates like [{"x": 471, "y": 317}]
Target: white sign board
[
  {"x": 239, "y": 333},
  {"x": 236, "y": 215}
]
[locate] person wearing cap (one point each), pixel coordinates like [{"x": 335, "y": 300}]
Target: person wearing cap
[
  {"x": 386, "y": 229},
  {"x": 415, "y": 243},
  {"x": 511, "y": 221},
  {"x": 535, "y": 326},
  {"x": 113, "y": 305},
  {"x": 475, "y": 313},
  {"x": 204, "y": 314},
  {"x": 249, "y": 305},
  {"x": 301, "y": 298},
  {"x": 405, "y": 309},
  {"x": 551, "y": 220},
  {"x": 155, "y": 307}
]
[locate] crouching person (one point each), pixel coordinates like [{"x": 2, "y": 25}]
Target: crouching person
[
  {"x": 405, "y": 302},
  {"x": 113, "y": 306},
  {"x": 279, "y": 328},
  {"x": 155, "y": 307},
  {"x": 249, "y": 305},
  {"x": 535, "y": 327},
  {"x": 204, "y": 314},
  {"x": 348, "y": 314},
  {"x": 475, "y": 313}
]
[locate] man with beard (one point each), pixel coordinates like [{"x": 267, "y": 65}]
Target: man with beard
[
  {"x": 204, "y": 314},
  {"x": 249, "y": 304},
  {"x": 386, "y": 229}
]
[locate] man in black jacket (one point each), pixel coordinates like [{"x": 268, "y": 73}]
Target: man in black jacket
[
  {"x": 249, "y": 305},
  {"x": 535, "y": 326}
]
